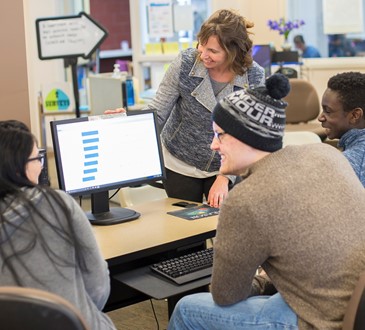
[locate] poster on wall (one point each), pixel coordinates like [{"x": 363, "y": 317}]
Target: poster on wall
[
  {"x": 57, "y": 97},
  {"x": 340, "y": 17},
  {"x": 160, "y": 22}
]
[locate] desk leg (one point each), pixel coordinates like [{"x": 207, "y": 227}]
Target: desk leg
[{"x": 172, "y": 301}]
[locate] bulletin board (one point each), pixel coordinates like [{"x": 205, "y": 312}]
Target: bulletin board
[{"x": 160, "y": 19}]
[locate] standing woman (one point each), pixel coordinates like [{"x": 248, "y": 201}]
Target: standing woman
[
  {"x": 193, "y": 84},
  {"x": 46, "y": 241}
]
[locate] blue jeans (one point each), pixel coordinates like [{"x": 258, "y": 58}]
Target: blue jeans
[{"x": 198, "y": 311}]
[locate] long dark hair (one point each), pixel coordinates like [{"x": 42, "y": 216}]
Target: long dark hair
[
  {"x": 233, "y": 36},
  {"x": 16, "y": 146}
]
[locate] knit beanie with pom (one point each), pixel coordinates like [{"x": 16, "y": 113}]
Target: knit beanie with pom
[{"x": 256, "y": 115}]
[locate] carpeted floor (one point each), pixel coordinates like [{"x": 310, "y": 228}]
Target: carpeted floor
[{"x": 141, "y": 317}]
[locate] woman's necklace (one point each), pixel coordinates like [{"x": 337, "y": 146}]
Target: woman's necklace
[{"x": 218, "y": 86}]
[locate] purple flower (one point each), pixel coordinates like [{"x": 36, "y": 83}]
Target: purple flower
[{"x": 284, "y": 27}]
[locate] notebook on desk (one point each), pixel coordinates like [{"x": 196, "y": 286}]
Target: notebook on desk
[{"x": 196, "y": 212}]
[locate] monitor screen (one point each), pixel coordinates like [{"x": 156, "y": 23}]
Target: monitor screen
[
  {"x": 99, "y": 153},
  {"x": 262, "y": 55}
]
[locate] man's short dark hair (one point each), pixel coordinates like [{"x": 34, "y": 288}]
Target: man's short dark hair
[
  {"x": 350, "y": 87},
  {"x": 299, "y": 39}
]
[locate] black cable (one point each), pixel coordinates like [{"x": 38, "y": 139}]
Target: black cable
[
  {"x": 154, "y": 314},
  {"x": 114, "y": 193}
]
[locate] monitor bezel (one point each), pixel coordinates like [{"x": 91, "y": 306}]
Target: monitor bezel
[{"x": 267, "y": 47}]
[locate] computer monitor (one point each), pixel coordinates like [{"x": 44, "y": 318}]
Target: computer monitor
[
  {"x": 286, "y": 57},
  {"x": 99, "y": 153},
  {"x": 262, "y": 55}
]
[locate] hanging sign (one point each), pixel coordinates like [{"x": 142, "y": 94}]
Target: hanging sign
[{"x": 68, "y": 36}]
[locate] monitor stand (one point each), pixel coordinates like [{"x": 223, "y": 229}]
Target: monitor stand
[{"x": 102, "y": 215}]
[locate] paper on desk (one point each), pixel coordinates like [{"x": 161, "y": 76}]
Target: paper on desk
[{"x": 196, "y": 212}]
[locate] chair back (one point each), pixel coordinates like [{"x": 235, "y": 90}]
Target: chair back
[
  {"x": 355, "y": 313},
  {"x": 303, "y": 102},
  {"x": 300, "y": 137},
  {"x": 29, "y": 309}
]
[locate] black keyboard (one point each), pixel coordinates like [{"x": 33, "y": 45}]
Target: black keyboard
[{"x": 186, "y": 268}]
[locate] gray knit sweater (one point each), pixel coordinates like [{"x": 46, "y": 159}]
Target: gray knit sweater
[
  {"x": 185, "y": 100},
  {"x": 87, "y": 290},
  {"x": 300, "y": 214}
]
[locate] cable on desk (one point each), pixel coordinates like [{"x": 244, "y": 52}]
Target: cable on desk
[
  {"x": 154, "y": 314},
  {"x": 114, "y": 194}
]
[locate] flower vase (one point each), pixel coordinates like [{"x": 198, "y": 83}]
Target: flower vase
[{"x": 286, "y": 46}]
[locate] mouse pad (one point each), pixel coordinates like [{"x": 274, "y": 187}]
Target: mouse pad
[{"x": 196, "y": 212}]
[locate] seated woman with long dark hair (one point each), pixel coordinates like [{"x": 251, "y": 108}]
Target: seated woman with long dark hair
[{"x": 46, "y": 241}]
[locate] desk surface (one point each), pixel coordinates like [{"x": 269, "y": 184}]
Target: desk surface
[{"x": 152, "y": 229}]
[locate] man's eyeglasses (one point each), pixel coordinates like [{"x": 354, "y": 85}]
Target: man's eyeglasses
[
  {"x": 40, "y": 158},
  {"x": 218, "y": 135}
]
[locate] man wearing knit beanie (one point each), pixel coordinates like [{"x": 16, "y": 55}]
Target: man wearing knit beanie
[
  {"x": 312, "y": 248},
  {"x": 255, "y": 117}
]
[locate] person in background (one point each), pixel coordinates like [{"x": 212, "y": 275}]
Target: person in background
[
  {"x": 193, "y": 84},
  {"x": 46, "y": 240},
  {"x": 340, "y": 46},
  {"x": 306, "y": 51},
  {"x": 343, "y": 106},
  {"x": 312, "y": 248}
]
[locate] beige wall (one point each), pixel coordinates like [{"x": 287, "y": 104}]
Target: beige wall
[
  {"x": 40, "y": 72},
  {"x": 13, "y": 66},
  {"x": 258, "y": 12}
]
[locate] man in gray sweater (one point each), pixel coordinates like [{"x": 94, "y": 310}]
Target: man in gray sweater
[{"x": 299, "y": 213}]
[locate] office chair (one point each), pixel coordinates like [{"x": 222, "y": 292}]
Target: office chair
[
  {"x": 29, "y": 309},
  {"x": 355, "y": 313},
  {"x": 303, "y": 108}
]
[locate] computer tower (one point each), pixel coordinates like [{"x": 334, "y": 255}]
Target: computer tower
[{"x": 105, "y": 92}]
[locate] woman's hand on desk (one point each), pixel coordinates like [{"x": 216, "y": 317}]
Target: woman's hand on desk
[
  {"x": 218, "y": 192},
  {"x": 117, "y": 110}
]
